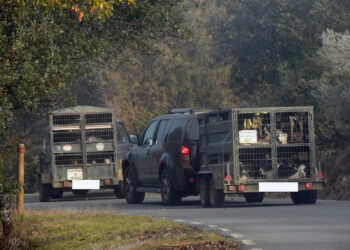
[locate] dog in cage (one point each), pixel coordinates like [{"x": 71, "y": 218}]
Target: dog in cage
[{"x": 300, "y": 172}]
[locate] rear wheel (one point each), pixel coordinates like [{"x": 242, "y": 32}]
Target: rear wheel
[
  {"x": 216, "y": 196},
  {"x": 254, "y": 197},
  {"x": 169, "y": 195},
  {"x": 204, "y": 191},
  {"x": 131, "y": 195},
  {"x": 310, "y": 196},
  {"x": 80, "y": 192},
  {"x": 44, "y": 191},
  {"x": 57, "y": 194},
  {"x": 119, "y": 190},
  {"x": 298, "y": 197}
]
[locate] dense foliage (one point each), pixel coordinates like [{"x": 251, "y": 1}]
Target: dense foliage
[{"x": 46, "y": 48}]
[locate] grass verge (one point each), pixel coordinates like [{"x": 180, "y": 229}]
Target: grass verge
[{"x": 107, "y": 230}]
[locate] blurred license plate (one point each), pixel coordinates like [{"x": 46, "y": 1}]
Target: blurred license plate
[
  {"x": 278, "y": 186},
  {"x": 75, "y": 174}
]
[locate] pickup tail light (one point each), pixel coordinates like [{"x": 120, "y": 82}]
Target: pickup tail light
[
  {"x": 184, "y": 155},
  {"x": 43, "y": 169}
]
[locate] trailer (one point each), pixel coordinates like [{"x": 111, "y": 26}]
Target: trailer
[
  {"x": 82, "y": 150},
  {"x": 252, "y": 151}
]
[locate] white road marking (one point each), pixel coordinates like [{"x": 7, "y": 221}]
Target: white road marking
[
  {"x": 224, "y": 229},
  {"x": 212, "y": 226},
  {"x": 248, "y": 242},
  {"x": 236, "y": 235},
  {"x": 179, "y": 220},
  {"x": 256, "y": 248},
  {"x": 196, "y": 223}
]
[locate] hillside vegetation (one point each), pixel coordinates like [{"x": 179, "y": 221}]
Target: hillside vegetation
[{"x": 162, "y": 54}]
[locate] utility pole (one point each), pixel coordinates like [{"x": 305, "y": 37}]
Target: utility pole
[{"x": 20, "y": 178}]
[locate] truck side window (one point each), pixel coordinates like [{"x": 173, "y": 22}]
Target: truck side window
[
  {"x": 122, "y": 135},
  {"x": 160, "y": 131},
  {"x": 175, "y": 131},
  {"x": 193, "y": 130},
  {"x": 148, "y": 135}
]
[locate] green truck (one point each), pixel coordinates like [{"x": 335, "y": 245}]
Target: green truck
[
  {"x": 82, "y": 150},
  {"x": 252, "y": 151}
]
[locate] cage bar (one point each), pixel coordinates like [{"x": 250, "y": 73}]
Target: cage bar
[
  {"x": 105, "y": 158},
  {"x": 65, "y": 119},
  {"x": 99, "y": 135},
  {"x": 98, "y": 118},
  {"x": 68, "y": 159},
  {"x": 66, "y": 136}
]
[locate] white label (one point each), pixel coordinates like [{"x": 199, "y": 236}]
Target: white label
[
  {"x": 85, "y": 184},
  {"x": 278, "y": 187},
  {"x": 100, "y": 146},
  {"x": 75, "y": 174},
  {"x": 248, "y": 136}
]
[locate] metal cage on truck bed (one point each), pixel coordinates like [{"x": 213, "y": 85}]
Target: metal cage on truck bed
[{"x": 245, "y": 147}]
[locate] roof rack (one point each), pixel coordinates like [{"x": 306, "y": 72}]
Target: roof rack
[{"x": 181, "y": 111}]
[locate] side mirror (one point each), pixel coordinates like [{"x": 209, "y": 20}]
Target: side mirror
[{"x": 134, "y": 139}]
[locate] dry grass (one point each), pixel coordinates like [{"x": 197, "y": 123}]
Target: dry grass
[{"x": 106, "y": 230}]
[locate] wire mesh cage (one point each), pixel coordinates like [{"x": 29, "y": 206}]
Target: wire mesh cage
[
  {"x": 258, "y": 123},
  {"x": 105, "y": 158},
  {"x": 293, "y": 162},
  {"x": 65, "y": 119},
  {"x": 98, "y": 118},
  {"x": 255, "y": 163},
  {"x": 68, "y": 159},
  {"x": 66, "y": 136},
  {"x": 99, "y": 135},
  {"x": 292, "y": 127}
]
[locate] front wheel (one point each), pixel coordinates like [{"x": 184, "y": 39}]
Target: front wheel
[
  {"x": 216, "y": 196},
  {"x": 80, "y": 192},
  {"x": 57, "y": 194},
  {"x": 254, "y": 197},
  {"x": 169, "y": 195},
  {"x": 119, "y": 190},
  {"x": 131, "y": 195},
  {"x": 204, "y": 191},
  {"x": 44, "y": 192}
]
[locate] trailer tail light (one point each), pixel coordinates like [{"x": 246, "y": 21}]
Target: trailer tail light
[
  {"x": 108, "y": 182},
  {"x": 185, "y": 155},
  {"x": 43, "y": 169},
  {"x": 308, "y": 185},
  {"x": 191, "y": 179},
  {"x": 320, "y": 175},
  {"x": 241, "y": 188}
]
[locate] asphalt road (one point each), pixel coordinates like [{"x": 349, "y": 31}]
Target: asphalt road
[{"x": 272, "y": 224}]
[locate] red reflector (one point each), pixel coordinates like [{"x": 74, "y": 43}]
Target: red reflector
[
  {"x": 320, "y": 175},
  {"x": 308, "y": 185},
  {"x": 43, "y": 169},
  {"x": 185, "y": 150},
  {"x": 191, "y": 179},
  {"x": 228, "y": 177},
  {"x": 241, "y": 188}
]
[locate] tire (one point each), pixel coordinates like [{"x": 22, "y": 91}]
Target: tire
[
  {"x": 298, "y": 197},
  {"x": 169, "y": 195},
  {"x": 44, "y": 191},
  {"x": 80, "y": 192},
  {"x": 131, "y": 195},
  {"x": 119, "y": 190},
  {"x": 57, "y": 195},
  {"x": 216, "y": 196},
  {"x": 254, "y": 197},
  {"x": 310, "y": 196},
  {"x": 204, "y": 191}
]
